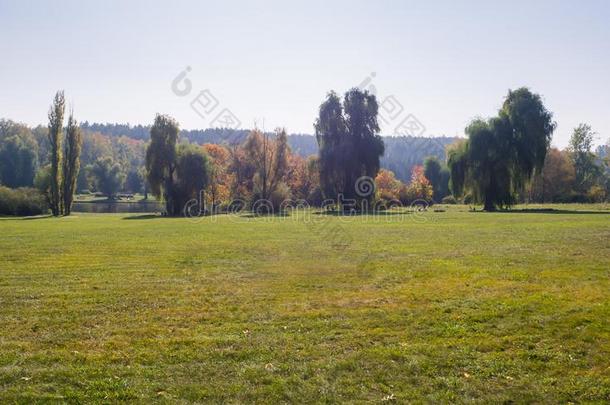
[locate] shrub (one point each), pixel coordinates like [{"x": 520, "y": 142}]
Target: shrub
[
  {"x": 279, "y": 195},
  {"x": 273, "y": 204},
  {"x": 22, "y": 201},
  {"x": 315, "y": 197},
  {"x": 574, "y": 197},
  {"x": 449, "y": 200},
  {"x": 596, "y": 194}
]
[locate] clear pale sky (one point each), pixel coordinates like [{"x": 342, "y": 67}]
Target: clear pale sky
[{"x": 272, "y": 62}]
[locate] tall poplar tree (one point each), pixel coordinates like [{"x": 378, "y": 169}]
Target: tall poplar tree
[
  {"x": 56, "y": 122},
  {"x": 71, "y": 163}
]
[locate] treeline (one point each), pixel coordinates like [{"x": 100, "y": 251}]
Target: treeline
[
  {"x": 112, "y": 157},
  {"x": 505, "y": 160},
  {"x": 402, "y": 153}
]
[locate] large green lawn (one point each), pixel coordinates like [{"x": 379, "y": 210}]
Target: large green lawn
[{"x": 442, "y": 306}]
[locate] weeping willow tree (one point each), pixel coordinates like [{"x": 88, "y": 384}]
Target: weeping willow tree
[
  {"x": 177, "y": 173},
  {"x": 349, "y": 143},
  {"x": 161, "y": 161},
  {"x": 502, "y": 153}
]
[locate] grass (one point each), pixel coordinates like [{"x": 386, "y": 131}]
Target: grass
[{"x": 451, "y": 306}]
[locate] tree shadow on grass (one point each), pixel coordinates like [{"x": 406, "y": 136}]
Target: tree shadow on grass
[
  {"x": 548, "y": 211},
  {"x": 11, "y": 218},
  {"x": 147, "y": 216},
  {"x": 269, "y": 215},
  {"x": 364, "y": 214}
]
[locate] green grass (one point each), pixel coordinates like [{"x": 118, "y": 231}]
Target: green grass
[{"x": 448, "y": 306}]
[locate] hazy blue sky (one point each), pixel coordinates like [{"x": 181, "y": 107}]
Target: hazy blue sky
[{"x": 272, "y": 62}]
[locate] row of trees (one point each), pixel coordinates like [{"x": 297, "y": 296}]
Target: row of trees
[
  {"x": 263, "y": 168},
  {"x": 575, "y": 174},
  {"x": 25, "y": 153},
  {"x": 260, "y": 168},
  {"x": 401, "y": 153},
  {"x": 505, "y": 159}
]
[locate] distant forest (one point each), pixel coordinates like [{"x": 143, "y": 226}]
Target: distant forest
[{"x": 402, "y": 153}]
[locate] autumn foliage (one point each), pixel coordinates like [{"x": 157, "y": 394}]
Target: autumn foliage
[{"x": 418, "y": 190}]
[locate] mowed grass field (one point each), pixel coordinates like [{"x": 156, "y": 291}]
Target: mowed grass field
[{"x": 451, "y": 306}]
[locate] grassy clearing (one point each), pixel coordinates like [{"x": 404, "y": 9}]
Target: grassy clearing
[{"x": 445, "y": 306}]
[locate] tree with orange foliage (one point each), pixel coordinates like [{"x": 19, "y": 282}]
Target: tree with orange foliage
[
  {"x": 556, "y": 182},
  {"x": 420, "y": 188},
  {"x": 388, "y": 187},
  {"x": 220, "y": 178},
  {"x": 300, "y": 177}
]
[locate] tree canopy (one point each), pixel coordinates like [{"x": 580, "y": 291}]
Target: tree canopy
[
  {"x": 502, "y": 153},
  {"x": 349, "y": 143}
]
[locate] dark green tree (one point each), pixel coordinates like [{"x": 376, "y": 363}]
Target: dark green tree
[
  {"x": 331, "y": 134},
  {"x": 502, "y": 153},
  {"x": 71, "y": 163},
  {"x": 527, "y": 129},
  {"x": 349, "y": 143},
  {"x": 18, "y": 155},
  {"x": 107, "y": 176},
  {"x": 161, "y": 161},
  {"x": 42, "y": 181},
  {"x": 56, "y": 123},
  {"x": 438, "y": 175},
  {"x": 135, "y": 181},
  {"x": 178, "y": 174},
  {"x": 192, "y": 175}
]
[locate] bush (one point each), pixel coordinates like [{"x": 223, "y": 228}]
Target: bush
[
  {"x": 22, "y": 202},
  {"x": 315, "y": 197},
  {"x": 596, "y": 194},
  {"x": 449, "y": 200},
  {"x": 413, "y": 194},
  {"x": 279, "y": 195},
  {"x": 273, "y": 204},
  {"x": 575, "y": 198}
]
